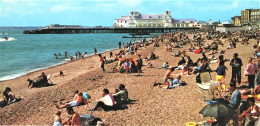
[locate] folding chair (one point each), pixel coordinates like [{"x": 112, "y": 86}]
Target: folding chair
[
  {"x": 49, "y": 78},
  {"x": 210, "y": 87}
]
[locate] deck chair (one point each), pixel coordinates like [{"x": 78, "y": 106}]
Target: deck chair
[
  {"x": 49, "y": 79},
  {"x": 210, "y": 87}
]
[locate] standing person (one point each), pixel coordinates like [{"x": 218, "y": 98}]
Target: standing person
[
  {"x": 126, "y": 65},
  {"x": 65, "y": 53},
  {"x": 79, "y": 54},
  {"x": 136, "y": 48},
  {"x": 124, "y": 46},
  {"x": 221, "y": 73},
  {"x": 76, "y": 54},
  {"x": 57, "y": 119},
  {"x": 95, "y": 50},
  {"x": 107, "y": 101},
  {"x": 236, "y": 64},
  {"x": 119, "y": 44},
  {"x": 250, "y": 70},
  {"x": 139, "y": 64},
  {"x": 74, "y": 119},
  {"x": 111, "y": 54},
  {"x": 102, "y": 63}
]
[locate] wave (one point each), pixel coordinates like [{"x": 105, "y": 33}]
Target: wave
[
  {"x": 4, "y": 33},
  {"x": 9, "y": 39},
  {"x": 13, "y": 76}
]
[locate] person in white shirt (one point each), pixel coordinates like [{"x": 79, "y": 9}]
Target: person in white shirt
[{"x": 107, "y": 102}]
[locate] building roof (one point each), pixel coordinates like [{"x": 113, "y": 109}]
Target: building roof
[
  {"x": 185, "y": 20},
  {"x": 124, "y": 18},
  {"x": 152, "y": 16}
]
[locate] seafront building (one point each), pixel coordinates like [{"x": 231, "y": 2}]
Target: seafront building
[
  {"x": 138, "y": 20},
  {"x": 248, "y": 17},
  {"x": 236, "y": 20}
]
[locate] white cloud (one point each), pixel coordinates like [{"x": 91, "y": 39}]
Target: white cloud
[
  {"x": 60, "y": 8},
  {"x": 130, "y": 3}
]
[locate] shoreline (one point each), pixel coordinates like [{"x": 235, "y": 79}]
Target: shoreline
[{"x": 62, "y": 62}]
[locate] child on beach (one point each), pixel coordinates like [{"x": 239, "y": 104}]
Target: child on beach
[
  {"x": 127, "y": 65},
  {"x": 57, "y": 119}
]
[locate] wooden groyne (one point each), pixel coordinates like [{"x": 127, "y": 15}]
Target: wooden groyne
[{"x": 105, "y": 30}]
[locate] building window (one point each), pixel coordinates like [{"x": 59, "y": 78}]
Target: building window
[{"x": 150, "y": 16}]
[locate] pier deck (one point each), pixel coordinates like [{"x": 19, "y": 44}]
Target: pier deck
[{"x": 105, "y": 30}]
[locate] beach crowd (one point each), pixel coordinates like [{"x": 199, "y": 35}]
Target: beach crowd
[{"x": 240, "y": 95}]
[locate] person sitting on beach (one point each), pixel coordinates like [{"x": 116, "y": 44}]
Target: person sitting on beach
[
  {"x": 107, "y": 101},
  {"x": 168, "y": 75},
  {"x": 175, "y": 82},
  {"x": 86, "y": 98},
  {"x": 116, "y": 57},
  {"x": 74, "y": 118},
  {"x": 121, "y": 96},
  {"x": 189, "y": 61},
  {"x": 214, "y": 47},
  {"x": 8, "y": 96},
  {"x": 152, "y": 56},
  {"x": 32, "y": 84},
  {"x": 57, "y": 119},
  {"x": 43, "y": 81},
  {"x": 251, "y": 114},
  {"x": 133, "y": 67},
  {"x": 177, "y": 54},
  {"x": 235, "y": 99},
  {"x": 165, "y": 65},
  {"x": 60, "y": 74},
  {"x": 182, "y": 61},
  {"x": 198, "y": 67},
  {"x": 77, "y": 100}
]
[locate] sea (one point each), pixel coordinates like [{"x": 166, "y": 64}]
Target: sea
[{"x": 25, "y": 53}]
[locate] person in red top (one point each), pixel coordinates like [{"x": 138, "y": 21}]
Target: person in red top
[
  {"x": 101, "y": 62},
  {"x": 78, "y": 99}
]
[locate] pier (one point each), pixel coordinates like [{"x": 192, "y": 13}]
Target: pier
[{"x": 105, "y": 30}]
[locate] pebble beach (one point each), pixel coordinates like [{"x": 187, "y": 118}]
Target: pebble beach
[{"x": 152, "y": 106}]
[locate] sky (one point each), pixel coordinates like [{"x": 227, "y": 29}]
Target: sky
[{"x": 104, "y": 12}]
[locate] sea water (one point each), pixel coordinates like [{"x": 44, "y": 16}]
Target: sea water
[{"x": 24, "y": 53}]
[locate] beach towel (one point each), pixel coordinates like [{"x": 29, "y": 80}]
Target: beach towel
[{"x": 198, "y": 51}]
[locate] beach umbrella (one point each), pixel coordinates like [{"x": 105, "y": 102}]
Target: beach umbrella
[{"x": 218, "y": 110}]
